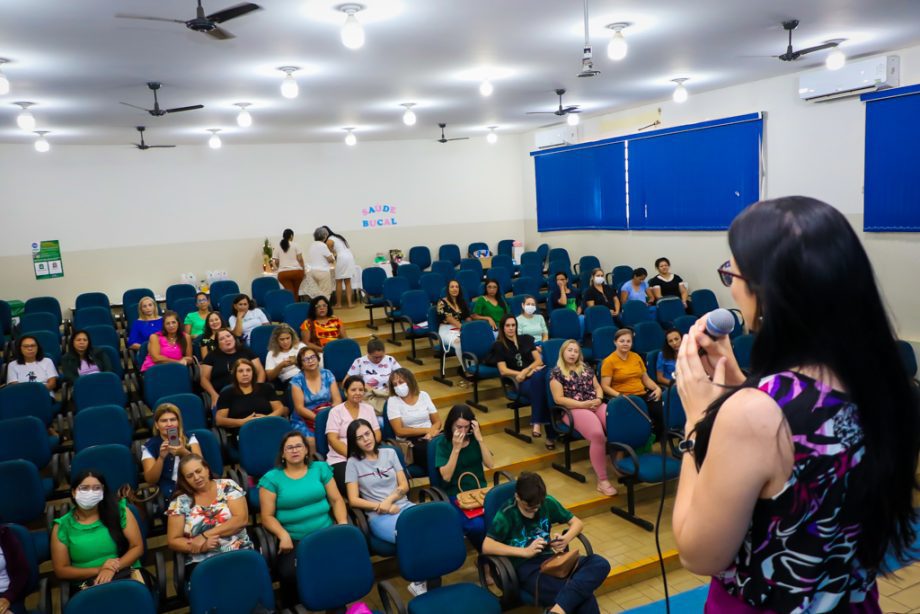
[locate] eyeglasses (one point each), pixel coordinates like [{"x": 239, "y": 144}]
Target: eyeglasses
[
  {"x": 310, "y": 358},
  {"x": 726, "y": 275},
  {"x": 88, "y": 488},
  {"x": 202, "y": 300},
  {"x": 294, "y": 447}
]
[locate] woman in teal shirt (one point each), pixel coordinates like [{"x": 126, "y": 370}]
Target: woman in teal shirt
[
  {"x": 98, "y": 540},
  {"x": 491, "y": 306},
  {"x": 295, "y": 499}
]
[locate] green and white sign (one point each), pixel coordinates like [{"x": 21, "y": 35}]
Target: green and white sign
[{"x": 46, "y": 258}]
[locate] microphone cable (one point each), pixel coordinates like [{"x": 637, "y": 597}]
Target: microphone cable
[{"x": 666, "y": 411}]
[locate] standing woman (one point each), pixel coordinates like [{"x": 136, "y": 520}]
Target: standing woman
[
  {"x": 321, "y": 326},
  {"x": 312, "y": 390},
  {"x": 213, "y": 322},
  {"x": 816, "y": 451},
  {"x": 452, "y": 313},
  {"x": 340, "y": 417},
  {"x": 82, "y": 358},
  {"x": 281, "y": 360},
  {"x": 599, "y": 293},
  {"x": 344, "y": 266},
  {"x": 318, "y": 279},
  {"x": 147, "y": 323},
  {"x": 196, "y": 320},
  {"x": 168, "y": 345},
  {"x": 491, "y": 306},
  {"x": 288, "y": 259},
  {"x": 159, "y": 459}
]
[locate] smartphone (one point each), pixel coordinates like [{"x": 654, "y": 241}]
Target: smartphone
[{"x": 172, "y": 436}]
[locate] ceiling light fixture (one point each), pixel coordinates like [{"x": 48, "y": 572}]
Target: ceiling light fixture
[
  {"x": 572, "y": 119},
  {"x": 492, "y": 137},
  {"x": 244, "y": 118},
  {"x": 486, "y": 88},
  {"x": 617, "y": 47},
  {"x": 352, "y": 31},
  {"x": 680, "y": 94},
  {"x": 25, "y": 120},
  {"x": 409, "y": 116},
  {"x": 350, "y": 139},
  {"x": 836, "y": 59},
  {"x": 214, "y": 142},
  {"x": 41, "y": 143},
  {"x": 289, "y": 87},
  {"x": 4, "y": 82}
]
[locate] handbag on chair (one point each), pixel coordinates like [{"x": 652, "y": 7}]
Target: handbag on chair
[{"x": 474, "y": 498}]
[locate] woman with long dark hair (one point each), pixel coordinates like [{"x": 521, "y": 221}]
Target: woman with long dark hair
[
  {"x": 31, "y": 365},
  {"x": 82, "y": 358},
  {"x": 797, "y": 479},
  {"x": 344, "y": 266},
  {"x": 170, "y": 344},
  {"x": 288, "y": 259}
]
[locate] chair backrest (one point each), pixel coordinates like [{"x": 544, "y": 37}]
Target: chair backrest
[
  {"x": 6, "y": 318},
  {"x": 412, "y": 273},
  {"x": 210, "y": 449},
  {"x": 420, "y": 255},
  {"x": 339, "y": 354},
  {"x": 319, "y": 430},
  {"x": 98, "y": 389},
  {"x": 259, "y": 442},
  {"x": 93, "y": 316},
  {"x": 742, "y": 347},
  {"x": 29, "y": 551},
  {"x": 222, "y": 288},
  {"x": 260, "y": 286},
  {"x": 563, "y": 324},
  {"x": 235, "y": 581},
  {"x": 394, "y": 288},
  {"x": 503, "y": 260},
  {"x": 602, "y": 342},
  {"x": 434, "y": 285},
  {"x": 470, "y": 282},
  {"x": 476, "y": 246},
  {"x": 184, "y": 306},
  {"x": 533, "y": 271},
  {"x": 526, "y": 285},
  {"x": 372, "y": 280},
  {"x": 532, "y": 259},
  {"x": 26, "y": 399},
  {"x": 595, "y": 317},
  {"x": 626, "y": 424},
  {"x": 506, "y": 247},
  {"x": 672, "y": 408},
  {"x": 39, "y": 321},
  {"x": 496, "y": 499},
  {"x": 414, "y": 305},
  {"x": 331, "y": 582},
  {"x": 295, "y": 314},
  {"x": 651, "y": 364},
  {"x": 134, "y": 296},
  {"x": 551, "y": 348},
  {"x": 703, "y": 301},
  {"x": 559, "y": 266},
  {"x": 25, "y": 438},
  {"x": 587, "y": 263},
  {"x": 129, "y": 596},
  {"x": 668, "y": 311},
  {"x": 649, "y": 337},
  {"x": 445, "y": 268},
  {"x": 225, "y": 305},
  {"x": 102, "y": 424},
  {"x": 115, "y": 462},
  {"x": 178, "y": 291},
  {"x": 543, "y": 250},
  {"x": 194, "y": 415},
  {"x": 503, "y": 276},
  {"x": 476, "y": 338},
  {"x": 103, "y": 334},
  {"x": 44, "y": 304},
  {"x": 169, "y": 378},
  {"x": 908, "y": 357},
  {"x": 620, "y": 275},
  {"x": 114, "y": 359},
  {"x": 386, "y": 429},
  {"x": 559, "y": 253},
  {"x": 450, "y": 252},
  {"x": 50, "y": 342},
  {"x": 21, "y": 477},
  {"x": 683, "y": 323},
  {"x": 259, "y": 337},
  {"x": 515, "y": 304},
  {"x": 472, "y": 264},
  {"x": 434, "y": 474},
  {"x": 634, "y": 312},
  {"x": 430, "y": 541},
  {"x": 92, "y": 299}
]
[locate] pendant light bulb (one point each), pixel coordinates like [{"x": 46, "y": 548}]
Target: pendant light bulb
[
  {"x": 289, "y": 87},
  {"x": 492, "y": 137},
  {"x": 486, "y": 88},
  {"x": 350, "y": 139},
  {"x": 4, "y": 82},
  {"x": 617, "y": 48},
  {"x": 244, "y": 118},
  {"x": 41, "y": 144},
  {"x": 409, "y": 117},
  {"x": 572, "y": 119},
  {"x": 25, "y": 120},
  {"x": 214, "y": 142},
  {"x": 352, "y": 32},
  {"x": 836, "y": 60},
  {"x": 680, "y": 94}
]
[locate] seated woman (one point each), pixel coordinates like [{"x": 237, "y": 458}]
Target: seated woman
[
  {"x": 667, "y": 358},
  {"x": 523, "y": 533},
  {"x": 668, "y": 284},
  {"x": 281, "y": 360},
  {"x": 195, "y": 320},
  {"x": 340, "y": 417},
  {"x": 216, "y": 372},
  {"x": 207, "y": 516},
  {"x": 313, "y": 390},
  {"x": 636, "y": 289},
  {"x": 168, "y": 345},
  {"x": 517, "y": 358},
  {"x": 561, "y": 296},
  {"x": 14, "y": 573},
  {"x": 575, "y": 387},
  {"x": 247, "y": 399},
  {"x": 491, "y": 306},
  {"x": 375, "y": 368},
  {"x": 532, "y": 323},
  {"x": 463, "y": 450},
  {"x": 31, "y": 365},
  {"x": 148, "y": 322},
  {"x": 161, "y": 454},
  {"x": 98, "y": 540},
  {"x": 245, "y": 317},
  {"x": 321, "y": 326},
  {"x": 599, "y": 293},
  {"x": 452, "y": 313},
  {"x": 213, "y": 322},
  {"x": 412, "y": 415},
  {"x": 81, "y": 358},
  {"x": 624, "y": 372},
  {"x": 295, "y": 499}
]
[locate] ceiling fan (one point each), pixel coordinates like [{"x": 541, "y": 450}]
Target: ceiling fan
[
  {"x": 209, "y": 24},
  {"x": 144, "y": 146},
  {"x": 156, "y": 111},
  {"x": 445, "y": 140},
  {"x": 791, "y": 55},
  {"x": 561, "y": 110}
]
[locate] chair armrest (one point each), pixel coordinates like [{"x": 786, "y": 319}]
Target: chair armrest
[
  {"x": 64, "y": 593},
  {"x": 359, "y": 519},
  {"x": 180, "y": 561},
  {"x": 587, "y": 544},
  {"x": 266, "y": 544},
  {"x": 556, "y": 414},
  {"x": 615, "y": 446},
  {"x": 511, "y": 386},
  {"x": 432, "y": 493},
  {"x": 499, "y": 474},
  {"x": 470, "y": 363},
  {"x": 503, "y": 574},
  {"x": 674, "y": 437},
  {"x": 44, "y": 596},
  {"x": 195, "y": 371},
  {"x": 160, "y": 562},
  {"x": 390, "y": 599}
]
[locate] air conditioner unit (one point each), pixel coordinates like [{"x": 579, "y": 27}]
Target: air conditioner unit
[
  {"x": 856, "y": 77},
  {"x": 556, "y": 136}
]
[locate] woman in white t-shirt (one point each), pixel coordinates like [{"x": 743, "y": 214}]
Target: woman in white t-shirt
[
  {"x": 318, "y": 280},
  {"x": 344, "y": 266},
  {"x": 245, "y": 318},
  {"x": 288, "y": 259},
  {"x": 31, "y": 365},
  {"x": 281, "y": 361},
  {"x": 412, "y": 414}
]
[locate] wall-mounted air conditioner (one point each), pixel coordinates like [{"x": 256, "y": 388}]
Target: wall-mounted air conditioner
[
  {"x": 857, "y": 77},
  {"x": 556, "y": 136}
]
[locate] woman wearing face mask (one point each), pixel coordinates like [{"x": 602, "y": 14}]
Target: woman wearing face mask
[
  {"x": 98, "y": 540},
  {"x": 216, "y": 369},
  {"x": 624, "y": 373},
  {"x": 281, "y": 360},
  {"x": 82, "y": 358},
  {"x": 412, "y": 414},
  {"x": 31, "y": 365},
  {"x": 599, "y": 293},
  {"x": 147, "y": 323},
  {"x": 195, "y": 320},
  {"x": 159, "y": 459},
  {"x": 532, "y": 323},
  {"x": 321, "y": 326},
  {"x": 313, "y": 390},
  {"x": 667, "y": 358},
  {"x": 340, "y": 417},
  {"x": 245, "y": 317},
  {"x": 168, "y": 345},
  {"x": 213, "y": 322}
]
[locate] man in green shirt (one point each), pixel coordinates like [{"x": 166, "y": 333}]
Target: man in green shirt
[{"x": 522, "y": 531}]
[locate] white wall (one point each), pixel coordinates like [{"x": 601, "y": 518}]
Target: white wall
[{"x": 810, "y": 149}]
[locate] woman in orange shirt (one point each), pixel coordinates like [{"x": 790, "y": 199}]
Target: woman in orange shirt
[
  {"x": 624, "y": 372},
  {"x": 321, "y": 326}
]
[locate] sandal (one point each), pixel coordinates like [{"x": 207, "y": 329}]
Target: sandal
[
  {"x": 550, "y": 445},
  {"x": 536, "y": 434}
]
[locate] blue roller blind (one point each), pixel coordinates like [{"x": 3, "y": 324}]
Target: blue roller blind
[{"x": 892, "y": 173}]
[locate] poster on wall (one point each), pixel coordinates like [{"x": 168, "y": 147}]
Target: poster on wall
[
  {"x": 378, "y": 216},
  {"x": 46, "y": 259}
]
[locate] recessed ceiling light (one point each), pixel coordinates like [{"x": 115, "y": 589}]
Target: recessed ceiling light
[
  {"x": 289, "y": 87},
  {"x": 352, "y": 31}
]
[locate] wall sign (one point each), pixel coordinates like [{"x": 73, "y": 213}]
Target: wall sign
[
  {"x": 378, "y": 216},
  {"x": 46, "y": 259}
]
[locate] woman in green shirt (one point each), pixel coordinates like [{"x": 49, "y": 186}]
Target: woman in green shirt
[
  {"x": 490, "y": 306},
  {"x": 194, "y": 321},
  {"x": 295, "y": 499},
  {"x": 98, "y": 539}
]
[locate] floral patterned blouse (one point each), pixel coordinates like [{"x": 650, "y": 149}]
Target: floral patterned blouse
[
  {"x": 445, "y": 309},
  {"x": 576, "y": 387},
  {"x": 320, "y": 333},
  {"x": 200, "y": 518}
]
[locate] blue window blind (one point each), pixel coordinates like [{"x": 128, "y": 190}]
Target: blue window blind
[
  {"x": 892, "y": 187},
  {"x": 696, "y": 177},
  {"x": 581, "y": 188}
]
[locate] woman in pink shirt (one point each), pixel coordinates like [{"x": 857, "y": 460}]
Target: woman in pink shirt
[
  {"x": 168, "y": 345},
  {"x": 340, "y": 417}
]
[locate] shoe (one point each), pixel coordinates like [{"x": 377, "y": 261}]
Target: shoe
[
  {"x": 550, "y": 445},
  {"x": 608, "y": 491},
  {"x": 536, "y": 434},
  {"x": 418, "y": 588}
]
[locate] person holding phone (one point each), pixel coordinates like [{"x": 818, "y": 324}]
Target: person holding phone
[
  {"x": 160, "y": 455},
  {"x": 281, "y": 360}
]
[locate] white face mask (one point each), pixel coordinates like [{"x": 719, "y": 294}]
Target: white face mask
[
  {"x": 530, "y": 309},
  {"x": 401, "y": 390},
  {"x": 598, "y": 280},
  {"x": 89, "y": 500}
]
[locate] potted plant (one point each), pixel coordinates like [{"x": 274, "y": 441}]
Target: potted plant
[{"x": 266, "y": 256}]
